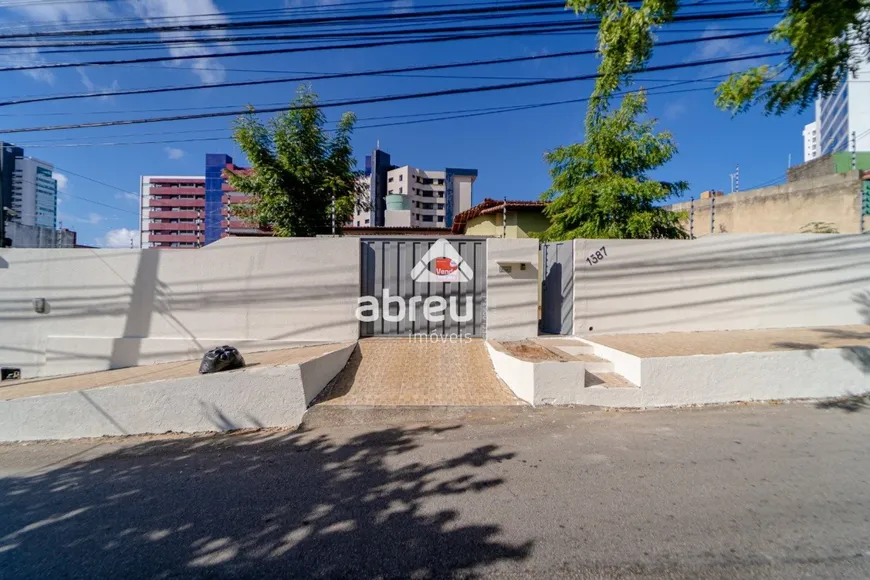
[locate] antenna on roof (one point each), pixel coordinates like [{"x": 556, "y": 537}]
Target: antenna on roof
[{"x": 378, "y": 145}]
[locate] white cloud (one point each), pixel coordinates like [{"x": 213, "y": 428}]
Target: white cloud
[
  {"x": 92, "y": 218},
  {"x": 60, "y": 14},
  {"x": 182, "y": 12},
  {"x": 61, "y": 179},
  {"x": 94, "y": 88},
  {"x": 28, "y": 57},
  {"x": 675, "y": 110},
  {"x": 119, "y": 238},
  {"x": 173, "y": 153},
  {"x": 127, "y": 196},
  {"x": 720, "y": 48}
]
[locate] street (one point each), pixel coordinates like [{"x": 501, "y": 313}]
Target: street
[{"x": 758, "y": 491}]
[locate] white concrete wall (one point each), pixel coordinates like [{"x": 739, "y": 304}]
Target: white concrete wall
[
  {"x": 273, "y": 396},
  {"x": 511, "y": 297},
  {"x": 722, "y": 282},
  {"x": 115, "y": 308},
  {"x": 518, "y": 375},
  {"x": 754, "y": 376}
]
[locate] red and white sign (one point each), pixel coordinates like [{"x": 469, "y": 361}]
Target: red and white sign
[{"x": 447, "y": 269}]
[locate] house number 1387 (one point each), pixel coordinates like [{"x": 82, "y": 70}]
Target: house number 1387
[{"x": 597, "y": 256}]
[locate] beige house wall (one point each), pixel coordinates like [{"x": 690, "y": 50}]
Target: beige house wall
[
  {"x": 781, "y": 209},
  {"x": 519, "y": 225}
]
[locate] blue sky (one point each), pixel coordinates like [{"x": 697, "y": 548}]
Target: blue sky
[{"x": 507, "y": 148}]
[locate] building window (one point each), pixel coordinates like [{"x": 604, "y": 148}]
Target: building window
[
  {"x": 427, "y": 218},
  {"x": 400, "y": 189},
  {"x": 440, "y": 218},
  {"x": 390, "y": 180},
  {"x": 367, "y": 222},
  {"x": 440, "y": 206},
  {"x": 401, "y": 177},
  {"x": 390, "y": 191}
]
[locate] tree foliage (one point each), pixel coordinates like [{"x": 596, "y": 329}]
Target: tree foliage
[
  {"x": 601, "y": 187},
  {"x": 297, "y": 171},
  {"x": 826, "y": 39}
]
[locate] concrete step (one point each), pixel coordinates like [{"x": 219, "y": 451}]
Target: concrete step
[
  {"x": 607, "y": 380},
  {"x": 575, "y": 350},
  {"x": 568, "y": 346}
]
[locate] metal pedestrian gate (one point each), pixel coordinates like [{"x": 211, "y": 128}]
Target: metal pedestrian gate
[
  {"x": 412, "y": 286},
  {"x": 557, "y": 291}
]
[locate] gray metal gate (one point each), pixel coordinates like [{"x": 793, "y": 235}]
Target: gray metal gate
[
  {"x": 388, "y": 263},
  {"x": 557, "y": 292}
]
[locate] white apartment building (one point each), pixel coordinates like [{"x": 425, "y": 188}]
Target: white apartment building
[
  {"x": 811, "y": 141},
  {"x": 34, "y": 193},
  {"x": 423, "y": 198},
  {"x": 410, "y": 197},
  {"x": 844, "y": 113}
]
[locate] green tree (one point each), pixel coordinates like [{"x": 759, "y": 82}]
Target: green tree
[
  {"x": 299, "y": 176},
  {"x": 826, "y": 40},
  {"x": 601, "y": 188}
]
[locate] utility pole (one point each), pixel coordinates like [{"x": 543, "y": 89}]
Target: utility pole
[
  {"x": 692, "y": 218},
  {"x": 197, "y": 222},
  {"x": 860, "y": 184},
  {"x": 712, "y": 213},
  {"x": 333, "y": 210}
]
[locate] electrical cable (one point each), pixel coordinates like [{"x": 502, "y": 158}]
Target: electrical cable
[
  {"x": 160, "y": 90},
  {"x": 390, "y": 98}
]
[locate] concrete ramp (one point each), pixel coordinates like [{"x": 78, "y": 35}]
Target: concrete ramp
[
  {"x": 272, "y": 391},
  {"x": 400, "y": 372}
]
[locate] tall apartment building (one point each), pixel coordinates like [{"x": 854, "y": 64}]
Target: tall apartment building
[
  {"x": 844, "y": 113},
  {"x": 171, "y": 210},
  {"x": 220, "y": 197},
  {"x": 34, "y": 193},
  {"x": 811, "y": 141},
  {"x": 410, "y": 197},
  {"x": 28, "y": 188},
  {"x": 190, "y": 211}
]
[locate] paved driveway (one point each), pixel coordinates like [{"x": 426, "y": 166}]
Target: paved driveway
[{"x": 739, "y": 492}]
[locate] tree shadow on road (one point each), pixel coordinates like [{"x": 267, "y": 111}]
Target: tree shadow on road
[{"x": 252, "y": 505}]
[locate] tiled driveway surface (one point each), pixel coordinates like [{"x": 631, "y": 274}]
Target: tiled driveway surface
[{"x": 401, "y": 372}]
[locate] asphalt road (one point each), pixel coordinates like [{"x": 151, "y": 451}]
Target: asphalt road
[{"x": 739, "y": 492}]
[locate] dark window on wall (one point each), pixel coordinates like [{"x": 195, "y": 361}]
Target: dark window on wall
[
  {"x": 427, "y": 218},
  {"x": 401, "y": 177}
]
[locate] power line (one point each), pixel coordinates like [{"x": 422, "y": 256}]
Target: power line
[
  {"x": 389, "y": 98},
  {"x": 452, "y": 116},
  {"x": 275, "y": 104},
  {"x": 330, "y": 76},
  {"x": 345, "y": 19},
  {"x": 397, "y": 28},
  {"x": 294, "y": 22},
  {"x": 373, "y": 44}
]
